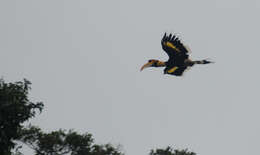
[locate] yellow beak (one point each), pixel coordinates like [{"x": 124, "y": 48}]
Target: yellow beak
[{"x": 149, "y": 64}]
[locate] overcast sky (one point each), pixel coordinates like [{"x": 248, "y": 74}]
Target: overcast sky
[{"x": 83, "y": 59}]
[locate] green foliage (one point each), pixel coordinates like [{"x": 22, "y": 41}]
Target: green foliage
[
  {"x": 61, "y": 142},
  {"x": 104, "y": 150},
  {"x": 15, "y": 108},
  {"x": 169, "y": 151}
]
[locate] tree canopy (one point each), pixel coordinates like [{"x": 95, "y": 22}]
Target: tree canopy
[
  {"x": 16, "y": 108},
  {"x": 169, "y": 151},
  {"x": 61, "y": 142}
]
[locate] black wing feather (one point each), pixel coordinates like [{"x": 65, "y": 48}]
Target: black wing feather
[{"x": 173, "y": 47}]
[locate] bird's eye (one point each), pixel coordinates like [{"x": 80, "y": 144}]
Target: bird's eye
[{"x": 150, "y": 61}]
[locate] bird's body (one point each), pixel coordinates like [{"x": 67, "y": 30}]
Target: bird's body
[{"x": 178, "y": 54}]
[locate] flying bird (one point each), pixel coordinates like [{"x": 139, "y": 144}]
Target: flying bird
[{"x": 178, "y": 54}]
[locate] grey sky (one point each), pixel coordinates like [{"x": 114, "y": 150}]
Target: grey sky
[{"x": 83, "y": 58}]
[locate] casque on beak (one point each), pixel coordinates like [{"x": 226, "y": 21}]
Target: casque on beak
[{"x": 149, "y": 64}]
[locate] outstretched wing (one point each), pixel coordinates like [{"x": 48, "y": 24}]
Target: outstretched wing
[{"x": 173, "y": 47}]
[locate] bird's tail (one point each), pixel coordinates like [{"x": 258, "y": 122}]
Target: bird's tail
[{"x": 205, "y": 61}]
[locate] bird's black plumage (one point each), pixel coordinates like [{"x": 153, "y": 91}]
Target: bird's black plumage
[
  {"x": 177, "y": 53},
  {"x": 172, "y": 45}
]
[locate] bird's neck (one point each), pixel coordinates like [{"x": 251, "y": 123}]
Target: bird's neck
[{"x": 160, "y": 63}]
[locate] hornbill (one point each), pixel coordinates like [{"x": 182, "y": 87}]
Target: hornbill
[{"x": 178, "y": 57}]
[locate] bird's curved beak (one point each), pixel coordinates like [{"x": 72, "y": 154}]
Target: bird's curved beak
[{"x": 149, "y": 64}]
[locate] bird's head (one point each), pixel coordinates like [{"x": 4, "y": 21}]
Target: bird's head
[{"x": 153, "y": 63}]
